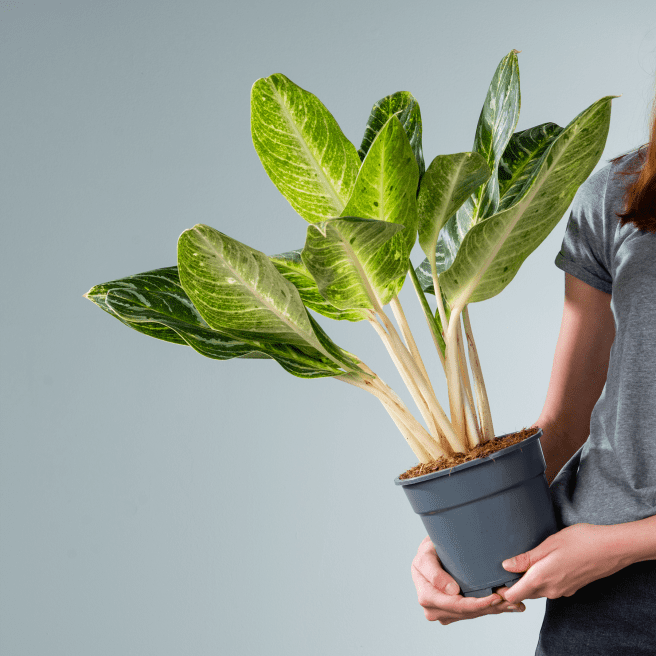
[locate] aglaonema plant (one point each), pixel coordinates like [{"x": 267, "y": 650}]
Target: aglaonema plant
[{"x": 477, "y": 216}]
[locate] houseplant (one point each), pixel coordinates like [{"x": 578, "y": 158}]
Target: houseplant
[{"x": 477, "y": 216}]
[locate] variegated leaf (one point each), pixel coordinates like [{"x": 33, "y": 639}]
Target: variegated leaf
[
  {"x": 348, "y": 259},
  {"x": 152, "y": 281},
  {"x": 496, "y": 123},
  {"x": 404, "y": 105},
  {"x": 522, "y": 156},
  {"x": 302, "y": 148},
  {"x": 386, "y": 190},
  {"x": 238, "y": 291},
  {"x": 448, "y": 182},
  {"x": 494, "y": 249},
  {"x": 155, "y": 303},
  {"x": 291, "y": 266}
]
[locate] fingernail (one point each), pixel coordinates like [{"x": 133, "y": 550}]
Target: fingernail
[
  {"x": 496, "y": 601},
  {"x": 508, "y": 563},
  {"x": 452, "y": 588},
  {"x": 513, "y": 609}
]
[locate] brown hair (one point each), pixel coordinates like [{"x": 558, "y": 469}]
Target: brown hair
[{"x": 640, "y": 195}]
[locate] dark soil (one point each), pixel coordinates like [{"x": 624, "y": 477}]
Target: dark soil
[{"x": 485, "y": 449}]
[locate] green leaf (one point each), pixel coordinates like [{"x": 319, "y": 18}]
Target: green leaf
[
  {"x": 404, "y": 105},
  {"x": 151, "y": 281},
  {"x": 521, "y": 157},
  {"x": 496, "y": 123},
  {"x": 448, "y": 182},
  {"x": 302, "y": 148},
  {"x": 154, "y": 303},
  {"x": 493, "y": 250},
  {"x": 348, "y": 259},
  {"x": 291, "y": 266},
  {"x": 238, "y": 291},
  {"x": 386, "y": 190}
]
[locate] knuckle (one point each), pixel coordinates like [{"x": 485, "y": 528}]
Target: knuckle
[
  {"x": 423, "y": 600},
  {"x": 432, "y": 615},
  {"x": 438, "y": 582}
]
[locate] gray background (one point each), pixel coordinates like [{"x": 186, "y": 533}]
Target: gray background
[{"x": 157, "y": 502}]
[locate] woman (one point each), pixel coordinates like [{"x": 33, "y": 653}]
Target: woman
[{"x": 598, "y": 572}]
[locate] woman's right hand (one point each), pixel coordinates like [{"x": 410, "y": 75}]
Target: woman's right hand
[{"x": 439, "y": 596}]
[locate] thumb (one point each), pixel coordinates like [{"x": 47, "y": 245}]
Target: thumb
[{"x": 521, "y": 562}]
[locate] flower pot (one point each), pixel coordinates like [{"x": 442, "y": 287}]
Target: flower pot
[{"x": 483, "y": 511}]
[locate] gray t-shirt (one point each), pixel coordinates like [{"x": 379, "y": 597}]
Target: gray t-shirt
[{"x": 611, "y": 479}]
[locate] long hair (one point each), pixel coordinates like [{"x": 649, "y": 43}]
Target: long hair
[{"x": 640, "y": 195}]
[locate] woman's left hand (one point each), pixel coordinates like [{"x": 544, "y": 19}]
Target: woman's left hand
[{"x": 566, "y": 561}]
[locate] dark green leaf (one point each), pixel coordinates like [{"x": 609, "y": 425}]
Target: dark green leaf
[{"x": 406, "y": 108}]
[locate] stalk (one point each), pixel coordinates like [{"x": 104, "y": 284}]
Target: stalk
[
  {"x": 482, "y": 402},
  {"x": 413, "y": 377},
  {"x": 409, "y": 339},
  {"x": 453, "y": 378},
  {"x": 436, "y": 287},
  {"x": 410, "y": 382},
  {"x": 471, "y": 426},
  {"x": 418, "y": 439},
  {"x": 428, "y": 313},
  {"x": 377, "y": 381},
  {"x": 473, "y": 431}
]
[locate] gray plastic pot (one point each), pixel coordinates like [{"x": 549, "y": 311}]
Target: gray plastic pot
[{"x": 483, "y": 511}]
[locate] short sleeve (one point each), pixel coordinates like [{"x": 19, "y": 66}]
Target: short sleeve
[{"x": 586, "y": 248}]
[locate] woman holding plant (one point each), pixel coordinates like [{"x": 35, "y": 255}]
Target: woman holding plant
[
  {"x": 598, "y": 572},
  {"x": 477, "y": 216}
]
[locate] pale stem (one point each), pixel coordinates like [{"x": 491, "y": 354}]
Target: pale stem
[
  {"x": 428, "y": 313},
  {"x": 438, "y": 293},
  {"x": 431, "y": 446},
  {"x": 402, "y": 322},
  {"x": 410, "y": 382},
  {"x": 482, "y": 402},
  {"x": 473, "y": 431},
  {"x": 436, "y": 450},
  {"x": 453, "y": 378},
  {"x": 414, "y": 380},
  {"x": 414, "y": 433}
]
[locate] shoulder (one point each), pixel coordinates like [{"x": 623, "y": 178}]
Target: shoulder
[{"x": 606, "y": 186}]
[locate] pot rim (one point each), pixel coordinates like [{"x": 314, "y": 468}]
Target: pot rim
[{"x": 470, "y": 463}]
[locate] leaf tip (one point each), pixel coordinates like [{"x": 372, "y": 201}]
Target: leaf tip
[{"x": 516, "y": 51}]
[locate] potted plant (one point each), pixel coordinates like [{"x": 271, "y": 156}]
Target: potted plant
[{"x": 477, "y": 216}]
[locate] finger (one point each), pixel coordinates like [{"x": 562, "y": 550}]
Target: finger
[
  {"x": 443, "y": 606},
  {"x": 525, "y": 588},
  {"x": 428, "y": 563},
  {"x": 523, "y": 561},
  {"x": 446, "y": 617},
  {"x": 506, "y": 605}
]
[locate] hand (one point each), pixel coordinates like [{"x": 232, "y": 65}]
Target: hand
[
  {"x": 565, "y": 562},
  {"x": 442, "y": 602}
]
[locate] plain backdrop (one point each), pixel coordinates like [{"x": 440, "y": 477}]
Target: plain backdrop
[{"x": 154, "y": 502}]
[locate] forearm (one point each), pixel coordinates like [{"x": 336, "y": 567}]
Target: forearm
[{"x": 633, "y": 542}]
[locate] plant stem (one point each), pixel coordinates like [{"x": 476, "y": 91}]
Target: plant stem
[
  {"x": 418, "y": 439},
  {"x": 438, "y": 338},
  {"x": 413, "y": 378},
  {"x": 453, "y": 379},
  {"x": 473, "y": 431},
  {"x": 408, "y": 379},
  {"x": 471, "y": 426},
  {"x": 436, "y": 287},
  {"x": 485, "y": 416},
  {"x": 399, "y": 315}
]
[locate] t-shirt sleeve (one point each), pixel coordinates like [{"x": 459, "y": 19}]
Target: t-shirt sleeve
[{"x": 585, "y": 251}]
